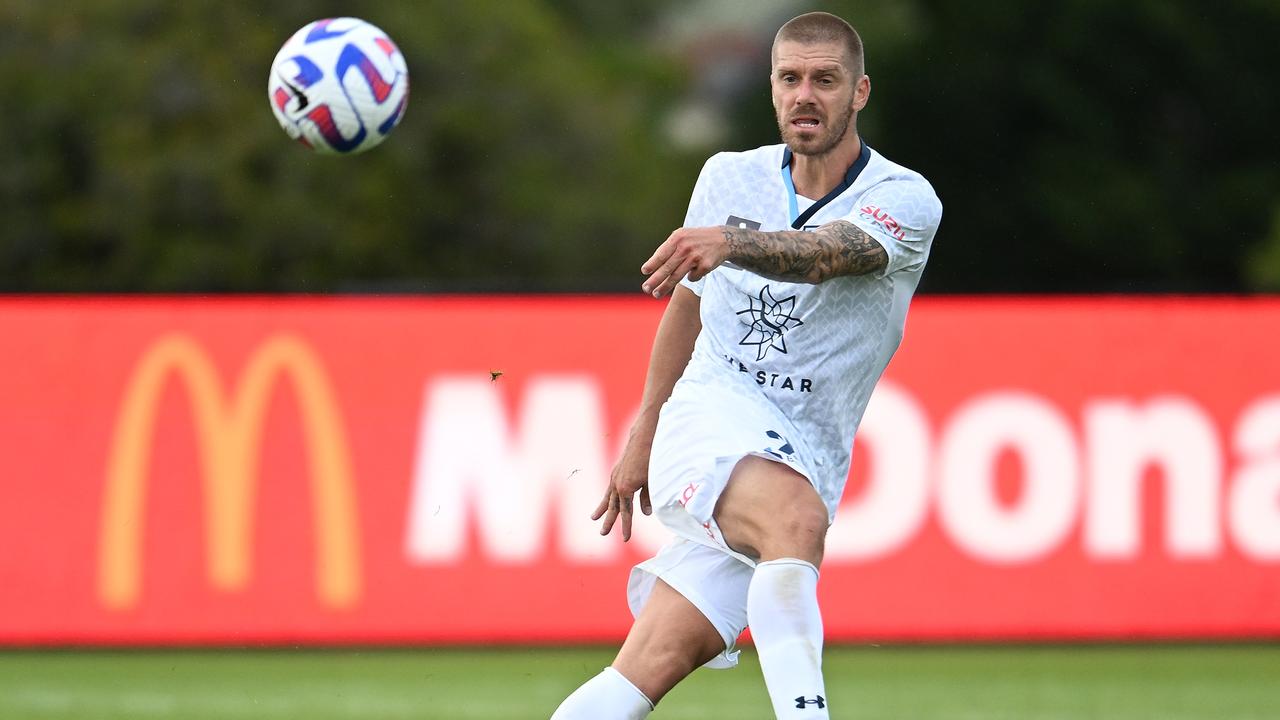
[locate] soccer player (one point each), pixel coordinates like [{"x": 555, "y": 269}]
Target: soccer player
[{"x": 789, "y": 287}]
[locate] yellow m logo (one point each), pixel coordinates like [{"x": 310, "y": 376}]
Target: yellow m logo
[{"x": 228, "y": 433}]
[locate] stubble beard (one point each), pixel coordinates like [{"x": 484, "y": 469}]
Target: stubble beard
[{"x": 818, "y": 146}]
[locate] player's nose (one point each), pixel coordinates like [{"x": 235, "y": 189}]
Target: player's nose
[{"x": 804, "y": 92}]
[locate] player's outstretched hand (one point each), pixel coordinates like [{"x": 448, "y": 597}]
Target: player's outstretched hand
[
  {"x": 629, "y": 475},
  {"x": 687, "y": 251}
]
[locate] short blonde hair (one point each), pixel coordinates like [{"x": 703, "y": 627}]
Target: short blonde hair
[{"x": 820, "y": 27}]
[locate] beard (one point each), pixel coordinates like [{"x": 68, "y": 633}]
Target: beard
[{"x": 815, "y": 143}]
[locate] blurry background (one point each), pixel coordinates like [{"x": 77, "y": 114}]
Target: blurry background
[
  {"x": 1079, "y": 471},
  {"x": 549, "y": 145}
]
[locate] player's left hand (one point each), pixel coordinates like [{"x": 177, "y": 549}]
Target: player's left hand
[
  {"x": 616, "y": 507},
  {"x": 687, "y": 251},
  {"x": 630, "y": 475}
]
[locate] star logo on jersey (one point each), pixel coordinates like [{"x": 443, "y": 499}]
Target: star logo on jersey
[{"x": 770, "y": 318}]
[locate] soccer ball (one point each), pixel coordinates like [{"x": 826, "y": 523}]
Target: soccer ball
[{"x": 339, "y": 86}]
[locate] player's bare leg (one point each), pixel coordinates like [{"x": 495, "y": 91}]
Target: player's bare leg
[
  {"x": 772, "y": 513},
  {"x": 670, "y": 639}
]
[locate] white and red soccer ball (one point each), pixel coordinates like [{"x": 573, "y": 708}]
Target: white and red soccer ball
[{"x": 339, "y": 85}]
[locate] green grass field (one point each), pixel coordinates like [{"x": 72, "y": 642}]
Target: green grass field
[{"x": 917, "y": 683}]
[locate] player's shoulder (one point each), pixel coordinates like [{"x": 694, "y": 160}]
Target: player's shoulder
[
  {"x": 885, "y": 176},
  {"x": 891, "y": 183},
  {"x": 767, "y": 158}
]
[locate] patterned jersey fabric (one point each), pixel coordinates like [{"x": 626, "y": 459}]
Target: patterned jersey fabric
[{"x": 810, "y": 354}]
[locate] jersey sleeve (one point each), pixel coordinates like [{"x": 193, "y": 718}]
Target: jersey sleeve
[
  {"x": 903, "y": 216},
  {"x": 701, "y": 213}
]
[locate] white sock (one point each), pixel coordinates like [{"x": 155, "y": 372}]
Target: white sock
[
  {"x": 607, "y": 696},
  {"x": 782, "y": 610}
]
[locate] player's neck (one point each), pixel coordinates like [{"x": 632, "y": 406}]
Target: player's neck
[{"x": 816, "y": 175}]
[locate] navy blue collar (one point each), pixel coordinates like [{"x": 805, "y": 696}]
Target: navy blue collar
[{"x": 798, "y": 219}]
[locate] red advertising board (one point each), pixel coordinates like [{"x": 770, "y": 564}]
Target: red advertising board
[{"x": 327, "y": 470}]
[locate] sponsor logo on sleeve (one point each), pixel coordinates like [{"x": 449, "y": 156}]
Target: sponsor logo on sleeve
[{"x": 884, "y": 220}]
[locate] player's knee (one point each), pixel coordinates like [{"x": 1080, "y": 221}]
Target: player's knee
[
  {"x": 798, "y": 530},
  {"x": 666, "y": 664},
  {"x": 769, "y": 511}
]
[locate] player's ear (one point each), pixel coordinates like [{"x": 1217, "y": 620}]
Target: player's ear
[{"x": 862, "y": 92}]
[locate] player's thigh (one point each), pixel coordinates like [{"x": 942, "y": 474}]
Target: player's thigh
[
  {"x": 769, "y": 511},
  {"x": 669, "y": 639}
]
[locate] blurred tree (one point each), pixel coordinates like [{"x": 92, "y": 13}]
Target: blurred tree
[
  {"x": 1089, "y": 145},
  {"x": 1077, "y": 146},
  {"x": 142, "y": 155}
]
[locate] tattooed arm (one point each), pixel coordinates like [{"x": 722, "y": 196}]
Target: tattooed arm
[{"x": 837, "y": 248}]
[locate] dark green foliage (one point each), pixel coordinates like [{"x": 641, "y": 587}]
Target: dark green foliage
[
  {"x": 1077, "y": 146},
  {"x": 142, "y": 155},
  {"x": 1091, "y": 145}
]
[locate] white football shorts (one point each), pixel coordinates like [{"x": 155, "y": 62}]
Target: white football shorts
[
  {"x": 713, "y": 581},
  {"x": 695, "y": 449}
]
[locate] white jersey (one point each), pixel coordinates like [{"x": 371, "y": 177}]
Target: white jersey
[{"x": 806, "y": 355}]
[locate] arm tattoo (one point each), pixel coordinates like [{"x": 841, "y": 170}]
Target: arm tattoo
[{"x": 837, "y": 248}]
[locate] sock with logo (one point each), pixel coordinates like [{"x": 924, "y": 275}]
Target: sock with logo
[
  {"x": 607, "y": 696},
  {"x": 782, "y": 610}
]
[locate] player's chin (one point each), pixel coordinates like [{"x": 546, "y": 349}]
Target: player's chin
[
  {"x": 804, "y": 142},
  {"x": 812, "y": 145}
]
